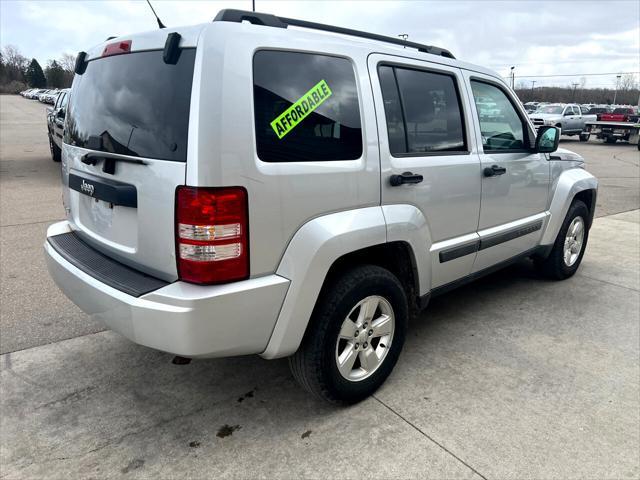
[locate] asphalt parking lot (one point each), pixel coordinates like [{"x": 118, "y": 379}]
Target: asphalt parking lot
[{"x": 509, "y": 377}]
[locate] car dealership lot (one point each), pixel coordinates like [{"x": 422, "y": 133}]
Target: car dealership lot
[{"x": 510, "y": 377}]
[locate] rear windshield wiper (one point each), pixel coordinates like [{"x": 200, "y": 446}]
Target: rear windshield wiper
[{"x": 110, "y": 159}]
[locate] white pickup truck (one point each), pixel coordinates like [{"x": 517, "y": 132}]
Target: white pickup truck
[{"x": 570, "y": 118}]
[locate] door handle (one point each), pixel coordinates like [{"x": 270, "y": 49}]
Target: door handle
[
  {"x": 494, "y": 170},
  {"x": 406, "y": 177}
]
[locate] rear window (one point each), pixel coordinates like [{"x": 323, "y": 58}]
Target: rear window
[
  {"x": 306, "y": 107},
  {"x": 133, "y": 104}
]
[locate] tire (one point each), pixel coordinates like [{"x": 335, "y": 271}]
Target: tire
[
  {"x": 56, "y": 152},
  {"x": 559, "y": 127},
  {"x": 558, "y": 265},
  {"x": 610, "y": 140},
  {"x": 315, "y": 365},
  {"x": 584, "y": 138}
]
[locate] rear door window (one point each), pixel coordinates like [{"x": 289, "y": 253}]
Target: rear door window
[
  {"x": 423, "y": 111},
  {"x": 306, "y": 107},
  {"x": 133, "y": 104}
]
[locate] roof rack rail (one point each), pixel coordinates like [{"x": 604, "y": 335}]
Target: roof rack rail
[{"x": 268, "y": 20}]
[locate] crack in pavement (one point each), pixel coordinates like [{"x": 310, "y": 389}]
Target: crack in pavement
[
  {"x": 9, "y": 368},
  {"x": 32, "y": 223},
  {"x": 75, "y": 395},
  {"x": 419, "y": 430},
  {"x": 607, "y": 282}
]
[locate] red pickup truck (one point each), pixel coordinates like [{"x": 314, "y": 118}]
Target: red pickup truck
[{"x": 622, "y": 114}]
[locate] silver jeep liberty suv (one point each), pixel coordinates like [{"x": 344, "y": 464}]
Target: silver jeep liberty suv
[{"x": 243, "y": 187}]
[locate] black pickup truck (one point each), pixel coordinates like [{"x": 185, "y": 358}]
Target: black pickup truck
[{"x": 55, "y": 123}]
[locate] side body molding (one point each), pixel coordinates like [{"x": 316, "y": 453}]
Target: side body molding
[
  {"x": 306, "y": 261},
  {"x": 568, "y": 184}
]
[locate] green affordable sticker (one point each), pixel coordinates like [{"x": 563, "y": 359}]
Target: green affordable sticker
[{"x": 297, "y": 112}]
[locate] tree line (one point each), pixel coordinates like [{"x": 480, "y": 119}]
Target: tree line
[
  {"x": 18, "y": 73},
  {"x": 626, "y": 93}
]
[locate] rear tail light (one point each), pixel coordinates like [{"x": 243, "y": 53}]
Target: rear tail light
[{"x": 212, "y": 238}]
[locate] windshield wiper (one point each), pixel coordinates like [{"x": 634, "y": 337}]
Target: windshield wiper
[{"x": 110, "y": 159}]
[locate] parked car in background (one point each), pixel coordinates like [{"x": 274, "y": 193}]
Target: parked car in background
[
  {"x": 33, "y": 94},
  {"x": 620, "y": 114},
  {"x": 55, "y": 123},
  {"x": 569, "y": 118},
  {"x": 598, "y": 111},
  {"x": 621, "y": 124},
  {"x": 51, "y": 97},
  {"x": 47, "y": 96}
]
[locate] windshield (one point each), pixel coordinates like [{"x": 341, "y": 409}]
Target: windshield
[
  {"x": 133, "y": 104},
  {"x": 623, "y": 110},
  {"x": 551, "y": 109}
]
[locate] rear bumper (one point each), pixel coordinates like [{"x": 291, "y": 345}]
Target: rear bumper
[{"x": 180, "y": 318}]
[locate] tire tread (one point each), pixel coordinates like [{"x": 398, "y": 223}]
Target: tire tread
[{"x": 306, "y": 364}]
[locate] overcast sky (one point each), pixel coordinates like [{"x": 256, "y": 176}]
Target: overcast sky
[{"x": 537, "y": 37}]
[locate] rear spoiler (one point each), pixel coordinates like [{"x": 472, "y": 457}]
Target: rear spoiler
[{"x": 170, "y": 53}]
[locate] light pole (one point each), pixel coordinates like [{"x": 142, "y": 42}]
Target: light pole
[
  {"x": 573, "y": 95},
  {"x": 513, "y": 79},
  {"x": 615, "y": 93}
]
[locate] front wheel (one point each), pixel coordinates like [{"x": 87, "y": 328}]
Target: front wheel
[
  {"x": 354, "y": 337},
  {"x": 610, "y": 140},
  {"x": 568, "y": 249},
  {"x": 584, "y": 137}
]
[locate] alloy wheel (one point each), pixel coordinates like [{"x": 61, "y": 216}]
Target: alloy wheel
[{"x": 365, "y": 338}]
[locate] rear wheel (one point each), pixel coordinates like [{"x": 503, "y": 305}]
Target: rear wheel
[
  {"x": 610, "y": 140},
  {"x": 355, "y": 336},
  {"x": 56, "y": 153},
  {"x": 568, "y": 249},
  {"x": 584, "y": 137},
  {"x": 559, "y": 127}
]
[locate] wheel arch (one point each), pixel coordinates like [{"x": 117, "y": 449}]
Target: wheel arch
[
  {"x": 326, "y": 246},
  {"x": 396, "y": 257},
  {"x": 571, "y": 184}
]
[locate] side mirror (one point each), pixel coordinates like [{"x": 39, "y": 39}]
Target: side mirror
[
  {"x": 547, "y": 140},
  {"x": 61, "y": 113}
]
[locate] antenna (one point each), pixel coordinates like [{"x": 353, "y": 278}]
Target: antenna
[{"x": 160, "y": 24}]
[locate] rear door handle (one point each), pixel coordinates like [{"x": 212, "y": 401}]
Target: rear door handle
[
  {"x": 494, "y": 170},
  {"x": 406, "y": 177}
]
